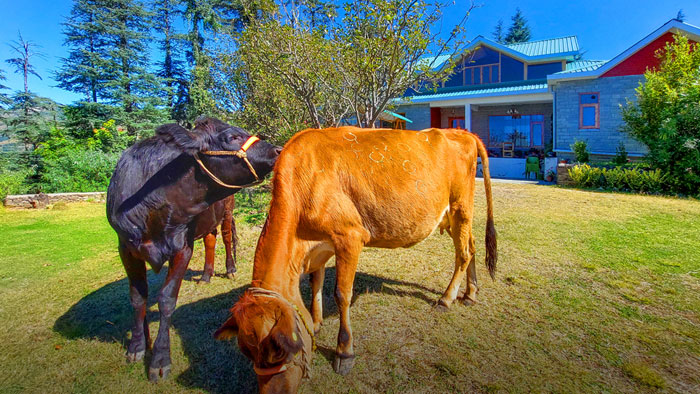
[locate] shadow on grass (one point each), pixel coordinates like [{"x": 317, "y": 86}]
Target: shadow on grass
[{"x": 214, "y": 366}]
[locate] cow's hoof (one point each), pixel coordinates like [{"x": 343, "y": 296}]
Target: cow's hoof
[
  {"x": 230, "y": 275},
  {"x": 135, "y": 357},
  {"x": 157, "y": 374},
  {"x": 442, "y": 306},
  {"x": 467, "y": 301},
  {"x": 343, "y": 364},
  {"x": 204, "y": 280},
  {"x": 317, "y": 328}
]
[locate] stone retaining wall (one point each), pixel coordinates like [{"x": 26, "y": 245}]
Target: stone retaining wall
[
  {"x": 42, "y": 200},
  {"x": 563, "y": 177}
]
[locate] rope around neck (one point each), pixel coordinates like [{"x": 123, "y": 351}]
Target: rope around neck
[{"x": 306, "y": 358}]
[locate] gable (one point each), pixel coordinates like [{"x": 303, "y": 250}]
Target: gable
[{"x": 641, "y": 60}]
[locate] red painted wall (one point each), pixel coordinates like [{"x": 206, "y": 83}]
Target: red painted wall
[
  {"x": 435, "y": 120},
  {"x": 644, "y": 58}
]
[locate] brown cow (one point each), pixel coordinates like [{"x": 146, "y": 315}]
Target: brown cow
[
  {"x": 334, "y": 192},
  {"x": 221, "y": 213}
]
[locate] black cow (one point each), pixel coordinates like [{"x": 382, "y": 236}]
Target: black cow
[{"x": 160, "y": 189}]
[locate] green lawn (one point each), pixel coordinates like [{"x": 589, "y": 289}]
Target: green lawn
[{"x": 595, "y": 292}]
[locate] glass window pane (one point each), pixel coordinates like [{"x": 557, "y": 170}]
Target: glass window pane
[
  {"x": 477, "y": 76},
  {"x": 468, "y": 76},
  {"x": 589, "y": 98},
  {"x": 494, "y": 74},
  {"x": 588, "y": 116},
  {"x": 496, "y": 130},
  {"x": 537, "y": 134},
  {"x": 487, "y": 74}
]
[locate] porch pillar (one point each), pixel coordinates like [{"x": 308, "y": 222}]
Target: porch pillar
[{"x": 468, "y": 117}]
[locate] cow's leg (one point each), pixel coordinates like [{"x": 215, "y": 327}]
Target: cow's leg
[
  {"x": 230, "y": 238},
  {"x": 461, "y": 232},
  {"x": 317, "y": 278},
  {"x": 317, "y": 298},
  {"x": 138, "y": 295},
  {"x": 347, "y": 252},
  {"x": 167, "y": 299},
  {"x": 209, "y": 257},
  {"x": 469, "y": 297}
]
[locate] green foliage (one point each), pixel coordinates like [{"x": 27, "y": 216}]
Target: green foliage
[
  {"x": 4, "y": 99},
  {"x": 78, "y": 170},
  {"x": 620, "y": 155},
  {"x": 311, "y": 65},
  {"x": 30, "y": 118},
  {"x": 12, "y": 175},
  {"x": 619, "y": 179},
  {"x": 13, "y": 182},
  {"x": 666, "y": 115},
  {"x": 70, "y": 165},
  {"x": 84, "y": 69},
  {"x": 498, "y": 32},
  {"x": 518, "y": 31},
  {"x": 580, "y": 149}
]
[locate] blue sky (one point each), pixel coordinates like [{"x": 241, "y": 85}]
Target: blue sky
[{"x": 604, "y": 28}]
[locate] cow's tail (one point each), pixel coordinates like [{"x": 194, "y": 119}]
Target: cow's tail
[{"x": 491, "y": 247}]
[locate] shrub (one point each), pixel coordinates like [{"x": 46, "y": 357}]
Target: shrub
[
  {"x": 580, "y": 149},
  {"x": 12, "y": 182},
  {"x": 626, "y": 179},
  {"x": 585, "y": 176},
  {"x": 620, "y": 155},
  {"x": 78, "y": 170}
]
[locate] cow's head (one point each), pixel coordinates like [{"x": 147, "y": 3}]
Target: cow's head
[
  {"x": 212, "y": 134},
  {"x": 270, "y": 335}
]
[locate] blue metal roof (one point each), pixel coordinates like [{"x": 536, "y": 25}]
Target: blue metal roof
[
  {"x": 394, "y": 114},
  {"x": 582, "y": 65},
  {"x": 495, "y": 89},
  {"x": 439, "y": 61},
  {"x": 551, "y": 46}
]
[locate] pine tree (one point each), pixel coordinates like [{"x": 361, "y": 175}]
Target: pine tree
[
  {"x": 4, "y": 100},
  {"x": 498, "y": 32},
  {"x": 200, "y": 15},
  {"x": 680, "y": 16},
  {"x": 83, "y": 71},
  {"x": 126, "y": 25},
  {"x": 171, "y": 67},
  {"x": 518, "y": 31},
  {"x": 26, "y": 50}
]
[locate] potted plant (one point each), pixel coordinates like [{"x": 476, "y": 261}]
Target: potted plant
[{"x": 549, "y": 177}]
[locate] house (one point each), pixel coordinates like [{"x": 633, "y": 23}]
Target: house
[{"x": 539, "y": 95}]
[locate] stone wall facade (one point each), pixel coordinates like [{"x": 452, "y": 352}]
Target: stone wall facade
[
  {"x": 42, "y": 200},
  {"x": 418, "y": 113},
  {"x": 613, "y": 92}
]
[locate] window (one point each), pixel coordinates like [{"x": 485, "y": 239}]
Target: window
[
  {"x": 589, "y": 111},
  {"x": 456, "y": 122},
  {"x": 477, "y": 75},
  {"x": 524, "y": 131}
]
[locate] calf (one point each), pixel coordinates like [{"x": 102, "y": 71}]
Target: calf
[
  {"x": 160, "y": 190},
  {"x": 336, "y": 191},
  {"x": 221, "y": 213}
]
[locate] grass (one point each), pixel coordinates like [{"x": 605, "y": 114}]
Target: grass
[{"x": 595, "y": 292}]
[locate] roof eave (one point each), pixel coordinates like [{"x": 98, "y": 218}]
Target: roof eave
[{"x": 419, "y": 100}]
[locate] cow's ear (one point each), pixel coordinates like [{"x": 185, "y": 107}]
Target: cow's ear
[
  {"x": 181, "y": 137},
  {"x": 227, "y": 330},
  {"x": 281, "y": 344}
]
